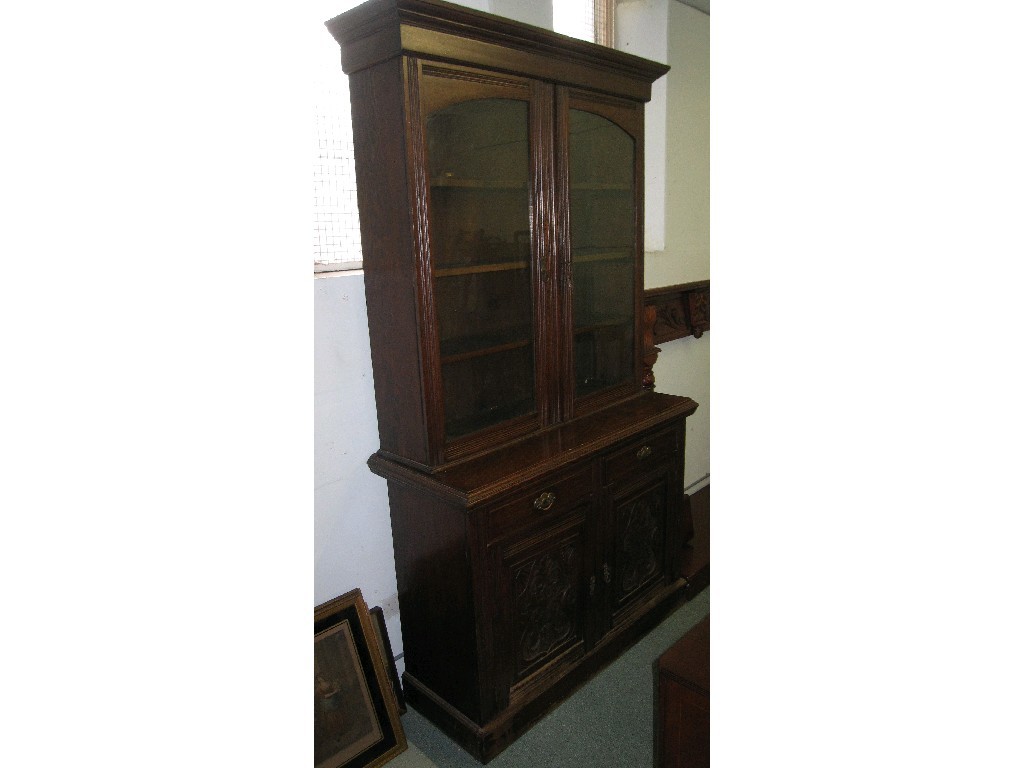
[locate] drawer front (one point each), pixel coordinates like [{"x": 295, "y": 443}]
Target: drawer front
[
  {"x": 639, "y": 455},
  {"x": 541, "y": 502}
]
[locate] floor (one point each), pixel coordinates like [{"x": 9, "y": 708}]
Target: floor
[{"x": 606, "y": 724}]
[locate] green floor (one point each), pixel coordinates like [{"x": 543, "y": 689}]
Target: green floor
[{"x": 606, "y": 724}]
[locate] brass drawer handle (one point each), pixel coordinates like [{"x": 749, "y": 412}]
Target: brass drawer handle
[
  {"x": 545, "y": 501},
  {"x": 644, "y": 452}
]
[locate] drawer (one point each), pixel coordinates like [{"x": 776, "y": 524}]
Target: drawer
[
  {"x": 543, "y": 501},
  {"x": 640, "y": 454}
]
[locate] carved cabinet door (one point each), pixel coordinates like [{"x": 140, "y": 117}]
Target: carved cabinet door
[
  {"x": 642, "y": 526},
  {"x": 541, "y": 595}
]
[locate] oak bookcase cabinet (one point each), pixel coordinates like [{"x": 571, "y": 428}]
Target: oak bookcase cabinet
[{"x": 535, "y": 485}]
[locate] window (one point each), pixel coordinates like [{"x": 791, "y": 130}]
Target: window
[
  {"x": 336, "y": 243},
  {"x": 591, "y": 20}
]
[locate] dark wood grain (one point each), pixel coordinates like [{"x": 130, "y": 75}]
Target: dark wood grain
[
  {"x": 435, "y": 596},
  {"x": 387, "y": 225},
  {"x": 383, "y": 29},
  {"x": 485, "y": 477},
  {"x": 697, "y": 560},
  {"x": 613, "y": 539},
  {"x": 539, "y": 524},
  {"x": 683, "y": 717},
  {"x": 679, "y": 310},
  {"x": 486, "y": 741}
]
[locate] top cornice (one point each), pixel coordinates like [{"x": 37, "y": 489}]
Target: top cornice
[{"x": 379, "y": 30}]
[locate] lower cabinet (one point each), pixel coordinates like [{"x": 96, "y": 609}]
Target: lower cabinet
[{"x": 517, "y": 585}]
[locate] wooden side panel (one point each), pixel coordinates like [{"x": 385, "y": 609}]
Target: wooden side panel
[
  {"x": 434, "y": 592},
  {"x": 386, "y": 222},
  {"x": 683, "y": 716},
  {"x": 684, "y": 727}
]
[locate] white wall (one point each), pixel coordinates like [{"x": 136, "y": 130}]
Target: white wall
[
  {"x": 641, "y": 28},
  {"x": 686, "y": 256},
  {"x": 352, "y": 523},
  {"x": 535, "y": 12},
  {"x": 683, "y": 367}
]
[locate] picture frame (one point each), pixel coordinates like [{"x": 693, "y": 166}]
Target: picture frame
[
  {"x": 389, "y": 656},
  {"x": 356, "y": 722}
]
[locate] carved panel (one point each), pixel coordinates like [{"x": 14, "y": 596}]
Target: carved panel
[
  {"x": 680, "y": 310},
  {"x": 698, "y": 304},
  {"x": 650, "y": 352},
  {"x": 545, "y": 603},
  {"x": 640, "y": 541}
]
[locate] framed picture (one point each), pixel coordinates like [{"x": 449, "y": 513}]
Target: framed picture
[
  {"x": 355, "y": 716},
  {"x": 377, "y": 613}
]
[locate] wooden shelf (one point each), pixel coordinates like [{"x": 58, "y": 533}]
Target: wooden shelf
[
  {"x": 603, "y": 326},
  {"x": 597, "y": 186},
  {"x": 460, "y": 183},
  {"x": 470, "y": 424},
  {"x": 617, "y": 254},
  {"x": 481, "y": 268},
  {"x": 474, "y": 351},
  {"x": 680, "y": 310}
]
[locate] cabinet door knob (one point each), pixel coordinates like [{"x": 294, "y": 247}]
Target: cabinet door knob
[
  {"x": 545, "y": 501},
  {"x": 644, "y": 452},
  {"x": 607, "y": 574}
]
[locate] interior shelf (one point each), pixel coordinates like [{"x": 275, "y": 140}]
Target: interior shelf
[
  {"x": 457, "y": 350},
  {"x": 599, "y": 186},
  {"x": 461, "y": 183},
  {"x": 481, "y": 268},
  {"x": 603, "y": 325},
  {"x": 589, "y": 255},
  {"x": 493, "y": 415}
]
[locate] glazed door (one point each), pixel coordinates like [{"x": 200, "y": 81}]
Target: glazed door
[
  {"x": 481, "y": 136},
  {"x": 603, "y": 181}
]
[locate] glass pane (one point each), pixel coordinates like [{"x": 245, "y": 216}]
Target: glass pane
[
  {"x": 602, "y": 227},
  {"x": 480, "y": 242},
  {"x": 481, "y": 390}
]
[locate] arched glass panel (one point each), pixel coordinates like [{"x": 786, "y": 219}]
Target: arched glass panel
[{"x": 603, "y": 240}]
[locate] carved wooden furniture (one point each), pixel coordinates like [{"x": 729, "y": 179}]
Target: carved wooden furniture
[
  {"x": 535, "y": 486},
  {"x": 679, "y": 310},
  {"x": 682, "y": 732}
]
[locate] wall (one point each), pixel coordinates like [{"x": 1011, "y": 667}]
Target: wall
[
  {"x": 352, "y": 523},
  {"x": 683, "y": 367},
  {"x": 641, "y": 28},
  {"x": 352, "y": 531}
]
